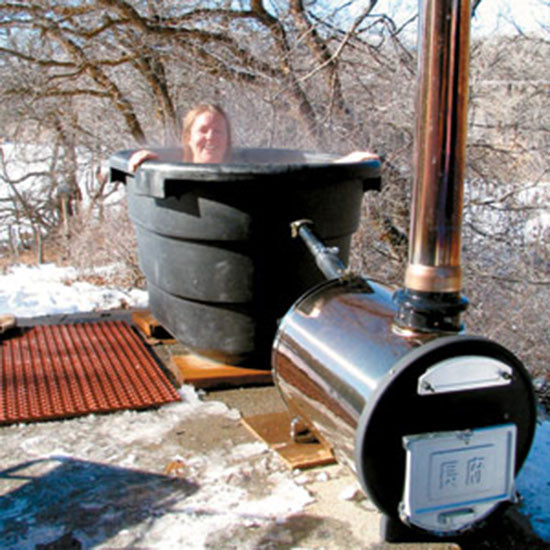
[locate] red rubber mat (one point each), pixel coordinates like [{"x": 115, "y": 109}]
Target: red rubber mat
[{"x": 60, "y": 371}]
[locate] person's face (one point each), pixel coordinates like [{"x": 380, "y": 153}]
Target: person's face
[{"x": 208, "y": 138}]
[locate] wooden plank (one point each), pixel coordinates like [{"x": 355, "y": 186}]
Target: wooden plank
[
  {"x": 7, "y": 321},
  {"x": 274, "y": 429},
  {"x": 151, "y": 329},
  {"x": 205, "y": 373}
]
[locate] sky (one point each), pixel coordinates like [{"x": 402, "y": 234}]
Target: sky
[
  {"x": 495, "y": 15},
  {"x": 492, "y": 16}
]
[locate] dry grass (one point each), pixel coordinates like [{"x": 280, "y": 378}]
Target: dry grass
[
  {"x": 105, "y": 241},
  {"x": 91, "y": 243},
  {"x": 53, "y": 253}
]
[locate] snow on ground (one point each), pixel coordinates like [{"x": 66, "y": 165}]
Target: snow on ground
[
  {"x": 99, "y": 479},
  {"x": 533, "y": 482},
  {"x": 30, "y": 291},
  {"x": 106, "y": 470},
  {"x": 81, "y": 467}
]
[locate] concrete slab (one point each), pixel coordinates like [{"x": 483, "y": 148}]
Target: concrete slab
[
  {"x": 134, "y": 451},
  {"x": 341, "y": 517}
]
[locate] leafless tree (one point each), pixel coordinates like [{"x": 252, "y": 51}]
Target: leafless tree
[
  {"x": 108, "y": 74},
  {"x": 90, "y": 78}
]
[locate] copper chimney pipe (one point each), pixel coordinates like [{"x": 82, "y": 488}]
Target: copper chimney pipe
[
  {"x": 382, "y": 377},
  {"x": 431, "y": 300}
]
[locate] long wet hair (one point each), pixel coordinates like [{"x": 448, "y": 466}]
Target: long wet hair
[{"x": 188, "y": 122}]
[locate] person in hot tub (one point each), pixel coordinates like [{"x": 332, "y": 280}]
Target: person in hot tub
[{"x": 206, "y": 139}]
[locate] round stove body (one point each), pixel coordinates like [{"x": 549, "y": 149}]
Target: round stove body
[{"x": 435, "y": 428}]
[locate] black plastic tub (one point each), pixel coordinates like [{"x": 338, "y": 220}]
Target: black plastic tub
[{"x": 215, "y": 245}]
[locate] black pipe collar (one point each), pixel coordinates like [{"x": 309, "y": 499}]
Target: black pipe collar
[{"x": 429, "y": 311}]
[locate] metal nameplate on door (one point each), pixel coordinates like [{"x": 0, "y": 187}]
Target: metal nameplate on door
[{"x": 455, "y": 478}]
